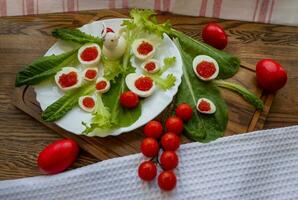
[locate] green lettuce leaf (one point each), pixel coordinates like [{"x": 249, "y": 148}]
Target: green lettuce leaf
[
  {"x": 44, "y": 68},
  {"x": 169, "y": 81},
  {"x": 112, "y": 68},
  {"x": 67, "y": 102},
  {"x": 201, "y": 127},
  {"x": 245, "y": 93},
  {"x": 101, "y": 119},
  {"x": 143, "y": 20},
  {"x": 75, "y": 35}
]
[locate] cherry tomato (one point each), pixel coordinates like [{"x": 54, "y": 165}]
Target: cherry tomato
[
  {"x": 270, "y": 75},
  {"x": 184, "y": 111},
  {"x": 214, "y": 35},
  {"x": 169, "y": 160},
  {"x": 170, "y": 141},
  {"x": 58, "y": 156},
  {"x": 129, "y": 99},
  {"x": 174, "y": 124},
  {"x": 153, "y": 129},
  {"x": 149, "y": 147},
  {"x": 147, "y": 170},
  {"x": 167, "y": 180}
]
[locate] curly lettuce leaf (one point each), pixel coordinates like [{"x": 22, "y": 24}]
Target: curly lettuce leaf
[
  {"x": 143, "y": 20},
  {"x": 169, "y": 81},
  {"x": 112, "y": 68},
  {"x": 101, "y": 119},
  {"x": 44, "y": 68},
  {"x": 75, "y": 35},
  {"x": 63, "y": 105}
]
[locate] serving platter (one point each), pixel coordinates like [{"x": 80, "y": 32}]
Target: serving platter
[
  {"x": 48, "y": 92},
  {"x": 242, "y": 116}
]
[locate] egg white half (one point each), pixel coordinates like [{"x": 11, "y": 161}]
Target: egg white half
[
  {"x": 201, "y": 58},
  {"x": 212, "y": 106}
]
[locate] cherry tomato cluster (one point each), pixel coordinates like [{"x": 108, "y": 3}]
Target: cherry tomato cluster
[{"x": 169, "y": 142}]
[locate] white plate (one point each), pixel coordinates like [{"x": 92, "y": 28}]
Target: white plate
[{"x": 47, "y": 92}]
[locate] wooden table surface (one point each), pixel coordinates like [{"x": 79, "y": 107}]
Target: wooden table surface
[{"x": 23, "y": 39}]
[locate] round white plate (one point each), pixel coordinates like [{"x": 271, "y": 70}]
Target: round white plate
[{"x": 48, "y": 92}]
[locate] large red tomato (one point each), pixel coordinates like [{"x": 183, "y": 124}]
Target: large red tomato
[
  {"x": 58, "y": 156},
  {"x": 270, "y": 75},
  {"x": 215, "y": 35}
]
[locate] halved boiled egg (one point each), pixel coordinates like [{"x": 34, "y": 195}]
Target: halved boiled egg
[
  {"x": 102, "y": 85},
  {"x": 143, "y": 49},
  {"x": 205, "y": 67},
  {"x": 89, "y": 54},
  {"x": 150, "y": 66},
  {"x": 90, "y": 73},
  {"x": 141, "y": 85},
  {"x": 206, "y": 106},
  {"x": 68, "y": 78},
  {"x": 87, "y": 103}
]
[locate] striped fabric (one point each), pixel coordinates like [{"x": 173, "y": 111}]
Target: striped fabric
[{"x": 265, "y": 11}]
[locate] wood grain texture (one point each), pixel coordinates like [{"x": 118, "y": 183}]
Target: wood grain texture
[{"x": 23, "y": 39}]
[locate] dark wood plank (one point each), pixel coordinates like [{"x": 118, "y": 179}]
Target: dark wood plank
[{"x": 22, "y": 39}]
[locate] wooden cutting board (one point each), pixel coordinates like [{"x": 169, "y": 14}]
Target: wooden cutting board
[{"x": 242, "y": 116}]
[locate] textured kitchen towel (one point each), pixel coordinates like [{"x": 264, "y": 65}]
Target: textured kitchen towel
[
  {"x": 258, "y": 165},
  {"x": 266, "y": 11}
]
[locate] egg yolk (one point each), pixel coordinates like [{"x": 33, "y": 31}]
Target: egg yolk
[
  {"x": 68, "y": 80},
  {"x": 101, "y": 85},
  {"x": 150, "y": 66},
  {"x": 91, "y": 74},
  {"x": 144, "y": 48},
  {"x": 144, "y": 83},
  {"x": 206, "y": 69},
  {"x": 204, "y": 106},
  {"x": 88, "y": 102},
  {"x": 89, "y": 54}
]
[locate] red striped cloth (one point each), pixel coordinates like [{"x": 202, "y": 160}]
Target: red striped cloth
[{"x": 266, "y": 11}]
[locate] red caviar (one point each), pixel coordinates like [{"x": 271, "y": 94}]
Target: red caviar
[
  {"x": 206, "y": 69},
  {"x": 145, "y": 48},
  {"x": 88, "y": 102},
  {"x": 101, "y": 85},
  {"x": 144, "y": 83},
  {"x": 91, "y": 73},
  {"x": 89, "y": 54},
  {"x": 204, "y": 106},
  {"x": 150, "y": 66},
  {"x": 68, "y": 80}
]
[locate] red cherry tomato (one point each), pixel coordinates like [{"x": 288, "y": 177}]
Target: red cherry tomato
[
  {"x": 215, "y": 35},
  {"x": 147, "y": 170},
  {"x": 174, "y": 124},
  {"x": 184, "y": 111},
  {"x": 169, "y": 160},
  {"x": 167, "y": 180},
  {"x": 170, "y": 141},
  {"x": 153, "y": 129},
  {"x": 129, "y": 99},
  {"x": 57, "y": 156},
  {"x": 270, "y": 75},
  {"x": 149, "y": 147}
]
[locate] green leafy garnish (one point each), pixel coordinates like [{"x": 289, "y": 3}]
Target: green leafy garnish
[
  {"x": 245, "y": 93},
  {"x": 44, "y": 68},
  {"x": 101, "y": 119},
  {"x": 201, "y": 127},
  {"x": 64, "y": 104},
  {"x": 118, "y": 116},
  {"x": 142, "y": 19},
  {"x": 112, "y": 68},
  {"x": 167, "y": 82},
  {"x": 75, "y": 35}
]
